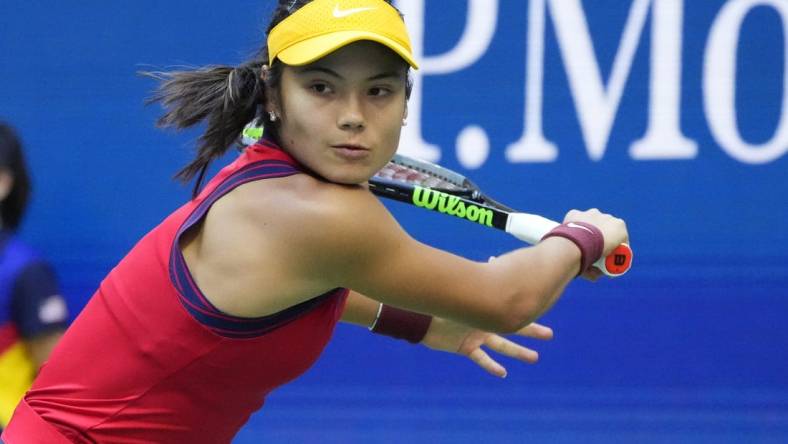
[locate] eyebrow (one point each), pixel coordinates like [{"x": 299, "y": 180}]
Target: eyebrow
[{"x": 331, "y": 72}]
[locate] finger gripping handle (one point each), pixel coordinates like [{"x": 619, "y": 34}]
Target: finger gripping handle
[
  {"x": 532, "y": 228},
  {"x": 618, "y": 262}
]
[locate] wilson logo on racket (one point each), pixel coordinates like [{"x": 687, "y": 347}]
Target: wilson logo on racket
[{"x": 451, "y": 205}]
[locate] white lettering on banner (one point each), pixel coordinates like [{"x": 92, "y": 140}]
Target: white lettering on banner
[
  {"x": 479, "y": 31},
  {"x": 719, "y": 84},
  {"x": 597, "y": 100},
  {"x": 597, "y": 104},
  {"x": 473, "y": 147},
  {"x": 663, "y": 138},
  {"x": 532, "y": 146}
]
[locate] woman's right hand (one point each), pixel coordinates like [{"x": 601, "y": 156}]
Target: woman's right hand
[{"x": 613, "y": 229}]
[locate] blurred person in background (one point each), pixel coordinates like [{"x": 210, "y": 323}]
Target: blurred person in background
[{"x": 33, "y": 314}]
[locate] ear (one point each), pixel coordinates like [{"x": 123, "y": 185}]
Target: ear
[
  {"x": 6, "y": 183},
  {"x": 271, "y": 99}
]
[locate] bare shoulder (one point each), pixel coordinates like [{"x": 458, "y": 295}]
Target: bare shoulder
[
  {"x": 324, "y": 223},
  {"x": 301, "y": 226},
  {"x": 304, "y": 205},
  {"x": 270, "y": 244}
]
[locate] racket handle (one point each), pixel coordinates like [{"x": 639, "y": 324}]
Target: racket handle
[
  {"x": 618, "y": 262},
  {"x": 531, "y": 228}
]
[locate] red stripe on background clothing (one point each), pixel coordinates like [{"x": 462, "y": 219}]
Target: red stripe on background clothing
[{"x": 8, "y": 336}]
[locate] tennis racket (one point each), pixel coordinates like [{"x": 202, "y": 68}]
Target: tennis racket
[{"x": 435, "y": 188}]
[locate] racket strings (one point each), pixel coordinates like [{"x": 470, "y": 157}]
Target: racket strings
[
  {"x": 402, "y": 173},
  {"x": 431, "y": 177}
]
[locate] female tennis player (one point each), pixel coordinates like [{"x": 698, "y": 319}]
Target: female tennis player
[{"x": 238, "y": 291}]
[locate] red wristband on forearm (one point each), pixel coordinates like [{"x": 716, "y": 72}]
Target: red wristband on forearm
[
  {"x": 401, "y": 324},
  {"x": 588, "y": 238}
]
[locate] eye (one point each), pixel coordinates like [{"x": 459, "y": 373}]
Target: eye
[
  {"x": 379, "y": 91},
  {"x": 320, "y": 88}
]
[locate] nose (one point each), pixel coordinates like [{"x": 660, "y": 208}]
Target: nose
[{"x": 351, "y": 116}]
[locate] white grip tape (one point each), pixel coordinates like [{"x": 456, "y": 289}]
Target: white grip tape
[{"x": 529, "y": 227}]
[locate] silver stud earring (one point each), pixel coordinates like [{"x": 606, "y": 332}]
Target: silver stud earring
[{"x": 272, "y": 116}]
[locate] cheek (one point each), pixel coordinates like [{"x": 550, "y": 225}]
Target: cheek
[
  {"x": 301, "y": 119},
  {"x": 393, "y": 126},
  {"x": 393, "y": 133}
]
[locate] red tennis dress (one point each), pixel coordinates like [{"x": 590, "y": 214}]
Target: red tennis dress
[{"x": 150, "y": 359}]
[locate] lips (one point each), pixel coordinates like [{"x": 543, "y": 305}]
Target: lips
[
  {"x": 351, "y": 151},
  {"x": 350, "y": 146}
]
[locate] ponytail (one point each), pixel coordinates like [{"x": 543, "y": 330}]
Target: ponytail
[{"x": 225, "y": 98}]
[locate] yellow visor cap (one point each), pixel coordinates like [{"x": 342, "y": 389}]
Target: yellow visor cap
[{"x": 324, "y": 26}]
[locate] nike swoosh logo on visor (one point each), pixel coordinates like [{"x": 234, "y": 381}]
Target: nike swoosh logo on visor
[
  {"x": 574, "y": 225},
  {"x": 342, "y": 13}
]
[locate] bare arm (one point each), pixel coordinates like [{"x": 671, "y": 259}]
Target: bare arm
[
  {"x": 371, "y": 254},
  {"x": 359, "y": 309},
  {"x": 452, "y": 337},
  {"x": 270, "y": 245}
]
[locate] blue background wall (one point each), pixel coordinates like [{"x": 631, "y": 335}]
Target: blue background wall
[{"x": 689, "y": 347}]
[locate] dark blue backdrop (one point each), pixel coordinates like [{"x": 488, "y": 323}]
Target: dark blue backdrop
[{"x": 690, "y": 346}]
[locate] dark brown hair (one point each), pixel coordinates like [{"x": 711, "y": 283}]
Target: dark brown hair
[
  {"x": 12, "y": 159},
  {"x": 225, "y": 97}
]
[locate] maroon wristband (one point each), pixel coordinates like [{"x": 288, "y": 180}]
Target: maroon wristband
[
  {"x": 588, "y": 239},
  {"x": 401, "y": 324}
]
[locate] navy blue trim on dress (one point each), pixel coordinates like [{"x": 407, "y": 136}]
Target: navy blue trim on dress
[{"x": 190, "y": 295}]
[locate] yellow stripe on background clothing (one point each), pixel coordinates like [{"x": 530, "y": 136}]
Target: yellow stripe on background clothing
[{"x": 16, "y": 375}]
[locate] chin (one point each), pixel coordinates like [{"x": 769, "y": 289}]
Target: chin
[
  {"x": 355, "y": 177},
  {"x": 348, "y": 180}
]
